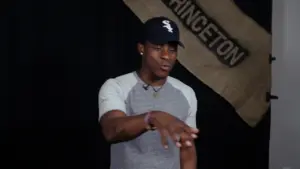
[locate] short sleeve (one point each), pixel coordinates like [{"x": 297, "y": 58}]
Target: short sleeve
[
  {"x": 110, "y": 98},
  {"x": 191, "y": 119}
]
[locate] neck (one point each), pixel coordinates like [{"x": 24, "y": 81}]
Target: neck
[{"x": 149, "y": 78}]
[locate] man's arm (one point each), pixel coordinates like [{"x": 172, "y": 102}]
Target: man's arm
[
  {"x": 188, "y": 155},
  {"x": 116, "y": 125}
]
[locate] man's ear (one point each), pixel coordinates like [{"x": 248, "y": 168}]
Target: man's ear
[{"x": 141, "y": 48}]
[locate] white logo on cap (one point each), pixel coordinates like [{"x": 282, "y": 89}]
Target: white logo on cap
[{"x": 167, "y": 25}]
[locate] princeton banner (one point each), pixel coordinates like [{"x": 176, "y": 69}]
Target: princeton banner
[{"x": 224, "y": 48}]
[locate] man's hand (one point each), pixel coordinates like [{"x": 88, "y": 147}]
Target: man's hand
[{"x": 168, "y": 125}]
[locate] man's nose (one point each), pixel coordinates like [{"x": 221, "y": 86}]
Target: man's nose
[{"x": 165, "y": 55}]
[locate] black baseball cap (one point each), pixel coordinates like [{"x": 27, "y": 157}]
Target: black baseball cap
[{"x": 161, "y": 30}]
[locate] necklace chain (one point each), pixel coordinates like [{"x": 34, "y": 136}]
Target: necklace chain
[
  {"x": 155, "y": 94},
  {"x": 156, "y": 90}
]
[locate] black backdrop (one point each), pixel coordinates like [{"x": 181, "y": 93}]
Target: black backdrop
[{"x": 62, "y": 52}]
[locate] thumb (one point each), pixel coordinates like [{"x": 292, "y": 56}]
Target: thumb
[{"x": 194, "y": 130}]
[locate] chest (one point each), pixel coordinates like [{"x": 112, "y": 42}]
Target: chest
[{"x": 166, "y": 99}]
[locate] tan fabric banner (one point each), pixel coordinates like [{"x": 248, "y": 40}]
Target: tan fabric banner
[{"x": 224, "y": 48}]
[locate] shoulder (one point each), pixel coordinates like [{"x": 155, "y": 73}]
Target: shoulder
[
  {"x": 186, "y": 90},
  {"x": 176, "y": 83},
  {"x": 125, "y": 80},
  {"x": 122, "y": 83}
]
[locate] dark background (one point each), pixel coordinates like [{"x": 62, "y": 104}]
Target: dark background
[{"x": 60, "y": 53}]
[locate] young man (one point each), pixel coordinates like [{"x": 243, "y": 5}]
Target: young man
[{"x": 148, "y": 116}]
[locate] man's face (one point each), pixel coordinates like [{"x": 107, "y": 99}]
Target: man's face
[{"x": 160, "y": 59}]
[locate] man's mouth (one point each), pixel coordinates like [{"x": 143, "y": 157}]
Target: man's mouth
[{"x": 165, "y": 67}]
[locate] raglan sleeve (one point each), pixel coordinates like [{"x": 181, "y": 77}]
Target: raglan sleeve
[
  {"x": 110, "y": 97},
  {"x": 191, "y": 119}
]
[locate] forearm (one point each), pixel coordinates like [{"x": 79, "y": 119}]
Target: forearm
[
  {"x": 120, "y": 129},
  {"x": 188, "y": 157}
]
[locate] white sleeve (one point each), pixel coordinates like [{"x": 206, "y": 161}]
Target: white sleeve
[
  {"x": 191, "y": 119},
  {"x": 110, "y": 98}
]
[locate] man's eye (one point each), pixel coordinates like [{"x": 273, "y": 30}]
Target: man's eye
[{"x": 157, "y": 48}]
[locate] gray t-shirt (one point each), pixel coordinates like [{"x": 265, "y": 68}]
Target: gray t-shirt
[{"x": 128, "y": 93}]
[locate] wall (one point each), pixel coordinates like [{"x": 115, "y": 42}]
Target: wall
[{"x": 285, "y": 116}]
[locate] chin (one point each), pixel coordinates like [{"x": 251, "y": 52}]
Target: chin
[{"x": 162, "y": 74}]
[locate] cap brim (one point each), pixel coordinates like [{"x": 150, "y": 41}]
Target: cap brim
[
  {"x": 159, "y": 42},
  {"x": 180, "y": 44},
  {"x": 177, "y": 42}
]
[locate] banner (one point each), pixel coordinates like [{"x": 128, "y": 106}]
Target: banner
[{"x": 224, "y": 48}]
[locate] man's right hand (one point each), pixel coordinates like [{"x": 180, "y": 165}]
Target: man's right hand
[{"x": 170, "y": 126}]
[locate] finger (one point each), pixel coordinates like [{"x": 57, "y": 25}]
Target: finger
[
  {"x": 174, "y": 132},
  {"x": 177, "y": 140},
  {"x": 178, "y": 144},
  {"x": 188, "y": 143},
  {"x": 163, "y": 132},
  {"x": 186, "y": 139},
  {"x": 194, "y": 130},
  {"x": 190, "y": 129},
  {"x": 194, "y": 136},
  {"x": 177, "y": 129},
  {"x": 164, "y": 136},
  {"x": 175, "y": 137}
]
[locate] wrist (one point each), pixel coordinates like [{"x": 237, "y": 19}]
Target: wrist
[{"x": 148, "y": 120}]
